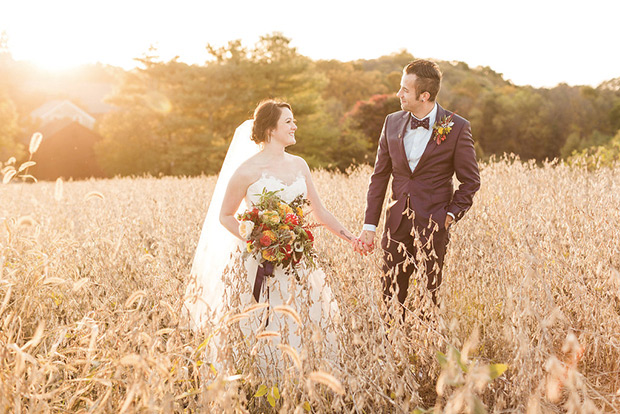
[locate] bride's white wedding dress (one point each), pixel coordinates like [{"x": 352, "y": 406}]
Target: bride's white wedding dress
[
  {"x": 296, "y": 311},
  {"x": 305, "y": 297}
]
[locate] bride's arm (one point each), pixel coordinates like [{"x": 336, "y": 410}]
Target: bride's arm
[
  {"x": 235, "y": 192},
  {"x": 322, "y": 215}
]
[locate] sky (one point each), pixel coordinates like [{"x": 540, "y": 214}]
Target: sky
[{"x": 540, "y": 43}]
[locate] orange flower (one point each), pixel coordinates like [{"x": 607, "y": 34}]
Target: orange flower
[
  {"x": 267, "y": 237},
  {"x": 442, "y": 128},
  {"x": 269, "y": 254},
  {"x": 285, "y": 209}
]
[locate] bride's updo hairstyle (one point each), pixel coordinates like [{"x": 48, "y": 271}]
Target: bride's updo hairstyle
[{"x": 266, "y": 117}]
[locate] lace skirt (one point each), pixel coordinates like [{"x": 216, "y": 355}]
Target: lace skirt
[{"x": 295, "y": 319}]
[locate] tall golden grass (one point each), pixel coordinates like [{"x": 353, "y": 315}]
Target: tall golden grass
[{"x": 92, "y": 276}]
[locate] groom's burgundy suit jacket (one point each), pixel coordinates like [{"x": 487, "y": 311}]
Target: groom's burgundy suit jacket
[{"x": 428, "y": 189}]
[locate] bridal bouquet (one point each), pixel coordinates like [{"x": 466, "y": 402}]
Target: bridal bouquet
[{"x": 277, "y": 232}]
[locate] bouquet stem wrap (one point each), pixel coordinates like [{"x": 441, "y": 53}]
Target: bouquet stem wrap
[{"x": 264, "y": 270}]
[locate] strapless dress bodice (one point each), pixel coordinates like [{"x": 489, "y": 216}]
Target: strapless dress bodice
[{"x": 270, "y": 183}]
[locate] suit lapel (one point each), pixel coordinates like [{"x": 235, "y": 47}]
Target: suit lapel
[
  {"x": 402, "y": 129},
  {"x": 431, "y": 145}
]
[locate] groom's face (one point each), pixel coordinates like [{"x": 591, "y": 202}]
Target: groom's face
[{"x": 407, "y": 93}]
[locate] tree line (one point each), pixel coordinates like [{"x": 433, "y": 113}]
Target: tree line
[{"x": 177, "y": 119}]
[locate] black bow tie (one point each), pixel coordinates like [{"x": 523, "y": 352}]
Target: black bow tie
[{"x": 416, "y": 123}]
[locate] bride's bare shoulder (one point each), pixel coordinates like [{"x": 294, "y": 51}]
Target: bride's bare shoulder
[
  {"x": 296, "y": 160},
  {"x": 248, "y": 172},
  {"x": 300, "y": 163}
]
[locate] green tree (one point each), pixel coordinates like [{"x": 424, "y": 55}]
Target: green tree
[
  {"x": 362, "y": 128},
  {"x": 178, "y": 119},
  {"x": 349, "y": 83},
  {"x": 9, "y": 129},
  {"x": 272, "y": 69},
  {"x": 607, "y": 155},
  {"x": 9, "y": 118},
  {"x": 614, "y": 115},
  {"x": 156, "y": 129},
  {"x": 514, "y": 120}
]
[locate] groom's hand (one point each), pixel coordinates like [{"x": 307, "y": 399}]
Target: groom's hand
[
  {"x": 449, "y": 221},
  {"x": 366, "y": 241}
]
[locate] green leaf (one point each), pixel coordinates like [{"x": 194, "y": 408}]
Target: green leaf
[
  {"x": 262, "y": 390},
  {"x": 442, "y": 359},
  {"x": 462, "y": 365},
  {"x": 275, "y": 392},
  {"x": 479, "y": 407},
  {"x": 459, "y": 360},
  {"x": 495, "y": 370},
  {"x": 306, "y": 406},
  {"x": 271, "y": 400}
]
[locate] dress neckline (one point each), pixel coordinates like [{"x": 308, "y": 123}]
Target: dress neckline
[{"x": 267, "y": 175}]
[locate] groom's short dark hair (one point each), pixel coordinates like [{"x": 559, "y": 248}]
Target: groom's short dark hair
[{"x": 428, "y": 77}]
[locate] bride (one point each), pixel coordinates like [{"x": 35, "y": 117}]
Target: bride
[{"x": 257, "y": 160}]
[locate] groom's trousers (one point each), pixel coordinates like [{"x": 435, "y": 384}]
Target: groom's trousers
[{"x": 402, "y": 254}]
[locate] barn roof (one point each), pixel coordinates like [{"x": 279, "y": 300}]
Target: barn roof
[{"x": 49, "y": 107}]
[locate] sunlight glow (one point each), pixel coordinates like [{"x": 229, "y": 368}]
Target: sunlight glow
[{"x": 518, "y": 39}]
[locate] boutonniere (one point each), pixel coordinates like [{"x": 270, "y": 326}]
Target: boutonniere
[{"x": 442, "y": 128}]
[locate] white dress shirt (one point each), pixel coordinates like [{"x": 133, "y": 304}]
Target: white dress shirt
[{"x": 415, "y": 141}]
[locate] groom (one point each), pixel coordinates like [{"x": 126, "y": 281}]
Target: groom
[{"x": 421, "y": 148}]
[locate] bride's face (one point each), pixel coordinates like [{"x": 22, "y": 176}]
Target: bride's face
[{"x": 284, "y": 133}]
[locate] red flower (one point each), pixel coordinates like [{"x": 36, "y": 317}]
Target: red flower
[
  {"x": 442, "y": 128},
  {"x": 291, "y": 219},
  {"x": 265, "y": 240},
  {"x": 254, "y": 214},
  {"x": 267, "y": 237},
  {"x": 310, "y": 236},
  {"x": 287, "y": 250}
]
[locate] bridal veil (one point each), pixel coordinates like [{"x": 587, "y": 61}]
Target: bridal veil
[{"x": 204, "y": 295}]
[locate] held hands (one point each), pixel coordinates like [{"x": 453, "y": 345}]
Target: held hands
[
  {"x": 365, "y": 243},
  {"x": 449, "y": 221}
]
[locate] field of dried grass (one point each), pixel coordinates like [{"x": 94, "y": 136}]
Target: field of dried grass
[{"x": 92, "y": 276}]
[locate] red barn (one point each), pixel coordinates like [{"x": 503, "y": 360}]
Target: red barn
[
  {"x": 67, "y": 151},
  {"x": 67, "y": 148}
]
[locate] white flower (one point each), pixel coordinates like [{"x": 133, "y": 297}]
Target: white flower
[
  {"x": 245, "y": 229},
  {"x": 298, "y": 247}
]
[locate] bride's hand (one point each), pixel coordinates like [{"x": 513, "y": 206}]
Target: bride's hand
[
  {"x": 359, "y": 246},
  {"x": 366, "y": 242}
]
